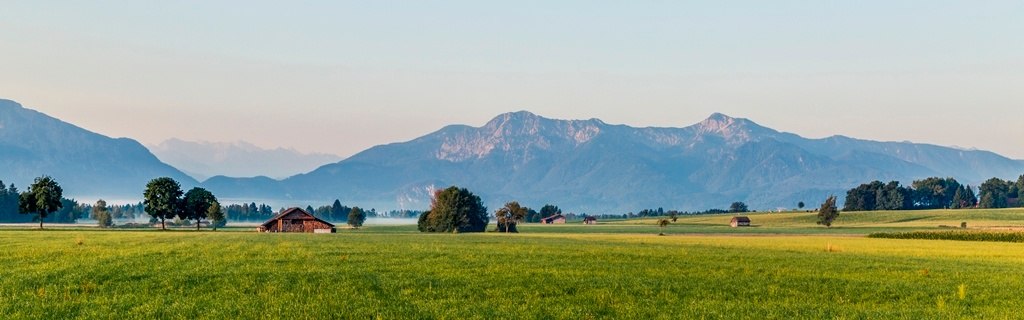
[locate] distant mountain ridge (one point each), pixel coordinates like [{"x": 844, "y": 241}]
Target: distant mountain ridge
[
  {"x": 86, "y": 164},
  {"x": 203, "y": 160},
  {"x": 584, "y": 166},
  {"x": 595, "y": 167}
]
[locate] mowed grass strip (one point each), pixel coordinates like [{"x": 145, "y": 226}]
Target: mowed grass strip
[{"x": 187, "y": 275}]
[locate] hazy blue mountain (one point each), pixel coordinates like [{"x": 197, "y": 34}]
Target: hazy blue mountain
[
  {"x": 594, "y": 167},
  {"x": 203, "y": 160},
  {"x": 86, "y": 164}
]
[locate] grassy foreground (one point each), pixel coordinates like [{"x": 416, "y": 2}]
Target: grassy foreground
[{"x": 365, "y": 274}]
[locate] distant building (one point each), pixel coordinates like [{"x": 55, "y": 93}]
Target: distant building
[
  {"x": 296, "y": 220},
  {"x": 740, "y": 222},
  {"x": 590, "y": 220},
  {"x": 558, "y": 218}
]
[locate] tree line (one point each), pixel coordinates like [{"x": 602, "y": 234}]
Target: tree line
[
  {"x": 458, "y": 210},
  {"x": 339, "y": 212},
  {"x": 69, "y": 210},
  {"x": 934, "y": 193},
  {"x": 42, "y": 202}
]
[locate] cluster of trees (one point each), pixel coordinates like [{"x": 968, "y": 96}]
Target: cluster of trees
[
  {"x": 101, "y": 214},
  {"x": 113, "y": 212},
  {"x": 878, "y": 196},
  {"x": 126, "y": 211},
  {"x": 248, "y": 212},
  {"x": 340, "y": 213},
  {"x": 933, "y": 193},
  {"x": 403, "y": 213},
  {"x": 999, "y": 193},
  {"x": 547, "y": 210},
  {"x": 165, "y": 200},
  {"x": 454, "y": 210}
]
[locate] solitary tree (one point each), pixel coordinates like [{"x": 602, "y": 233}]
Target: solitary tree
[
  {"x": 102, "y": 214},
  {"x": 800, "y": 205},
  {"x": 162, "y": 199},
  {"x": 42, "y": 198},
  {"x": 674, "y": 215},
  {"x": 510, "y": 215},
  {"x": 196, "y": 204},
  {"x": 455, "y": 210},
  {"x": 216, "y": 215},
  {"x": 356, "y": 217},
  {"x": 828, "y": 212}
]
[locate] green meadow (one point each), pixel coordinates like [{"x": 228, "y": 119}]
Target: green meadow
[{"x": 784, "y": 267}]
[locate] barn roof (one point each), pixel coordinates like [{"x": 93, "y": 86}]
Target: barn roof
[
  {"x": 741, "y": 219},
  {"x": 300, "y": 215},
  {"x": 556, "y": 216}
]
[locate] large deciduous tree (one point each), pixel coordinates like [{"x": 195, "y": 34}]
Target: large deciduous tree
[
  {"x": 454, "y": 210},
  {"x": 42, "y": 198},
  {"x": 162, "y": 199},
  {"x": 828, "y": 212},
  {"x": 510, "y": 215},
  {"x": 934, "y": 192},
  {"x": 196, "y": 205}
]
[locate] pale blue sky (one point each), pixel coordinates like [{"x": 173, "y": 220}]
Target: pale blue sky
[{"x": 338, "y": 77}]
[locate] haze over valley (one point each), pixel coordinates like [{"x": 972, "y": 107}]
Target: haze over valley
[{"x": 203, "y": 159}]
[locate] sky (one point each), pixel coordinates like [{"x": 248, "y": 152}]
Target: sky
[{"x": 341, "y": 76}]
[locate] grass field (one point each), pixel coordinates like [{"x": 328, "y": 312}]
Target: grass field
[{"x": 788, "y": 268}]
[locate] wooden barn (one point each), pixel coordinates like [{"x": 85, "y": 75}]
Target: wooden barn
[
  {"x": 296, "y": 220},
  {"x": 558, "y": 218},
  {"x": 590, "y": 220},
  {"x": 740, "y": 222}
]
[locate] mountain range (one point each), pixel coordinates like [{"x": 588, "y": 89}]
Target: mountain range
[
  {"x": 580, "y": 165},
  {"x": 595, "y": 167},
  {"x": 202, "y": 160},
  {"x": 86, "y": 164}
]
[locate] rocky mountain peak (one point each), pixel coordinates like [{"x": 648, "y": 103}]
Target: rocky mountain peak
[
  {"x": 735, "y": 130},
  {"x": 518, "y": 133}
]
